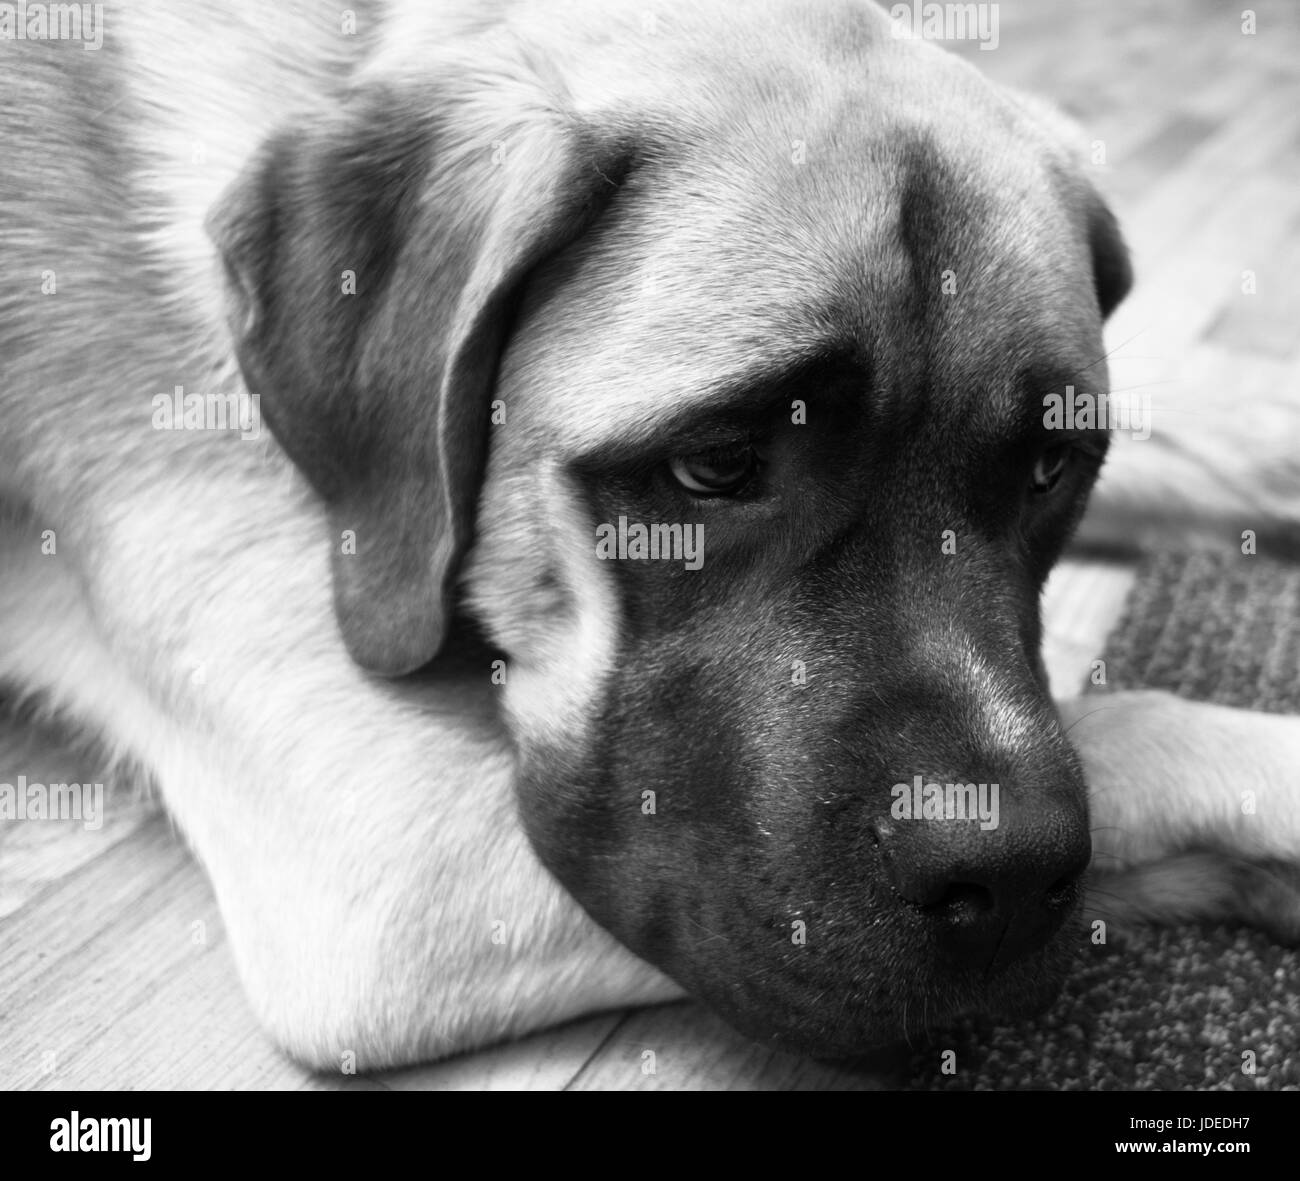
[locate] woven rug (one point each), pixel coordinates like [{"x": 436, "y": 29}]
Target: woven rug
[{"x": 1170, "y": 1009}]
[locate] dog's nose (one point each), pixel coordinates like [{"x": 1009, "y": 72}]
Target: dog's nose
[{"x": 990, "y": 895}]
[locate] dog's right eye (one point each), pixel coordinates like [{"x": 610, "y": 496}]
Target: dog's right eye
[
  {"x": 1049, "y": 469},
  {"x": 715, "y": 473}
]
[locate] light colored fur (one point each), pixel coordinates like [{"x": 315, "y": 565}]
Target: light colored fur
[
  {"x": 1195, "y": 812},
  {"x": 360, "y": 835}
]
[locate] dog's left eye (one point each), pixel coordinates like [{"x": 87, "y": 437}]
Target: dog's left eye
[
  {"x": 1049, "y": 469},
  {"x": 715, "y": 473}
]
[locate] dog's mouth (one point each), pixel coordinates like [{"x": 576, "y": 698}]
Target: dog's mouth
[
  {"x": 850, "y": 1013},
  {"x": 846, "y": 984},
  {"x": 865, "y": 967}
]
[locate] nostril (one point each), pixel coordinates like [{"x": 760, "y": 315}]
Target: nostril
[
  {"x": 1062, "y": 891},
  {"x": 964, "y": 903}
]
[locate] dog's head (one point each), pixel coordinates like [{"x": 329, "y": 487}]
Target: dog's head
[{"x": 795, "y": 290}]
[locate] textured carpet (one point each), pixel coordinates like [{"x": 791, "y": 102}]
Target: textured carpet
[{"x": 1169, "y": 1009}]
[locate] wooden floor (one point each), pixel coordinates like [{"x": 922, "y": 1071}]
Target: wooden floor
[{"x": 114, "y": 971}]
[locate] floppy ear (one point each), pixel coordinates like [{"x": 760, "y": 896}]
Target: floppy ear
[
  {"x": 1112, "y": 271},
  {"x": 373, "y": 261},
  {"x": 1064, "y": 137}
]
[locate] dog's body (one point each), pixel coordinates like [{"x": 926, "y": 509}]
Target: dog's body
[{"x": 578, "y": 235}]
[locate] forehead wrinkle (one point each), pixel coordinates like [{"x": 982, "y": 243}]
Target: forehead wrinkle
[
  {"x": 598, "y": 414},
  {"x": 1022, "y": 281},
  {"x": 614, "y": 357}
]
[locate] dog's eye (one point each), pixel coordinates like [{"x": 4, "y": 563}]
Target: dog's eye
[
  {"x": 1049, "y": 469},
  {"x": 715, "y": 473}
]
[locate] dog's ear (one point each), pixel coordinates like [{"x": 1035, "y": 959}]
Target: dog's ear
[
  {"x": 1112, "y": 271},
  {"x": 1064, "y": 139},
  {"x": 373, "y": 259}
]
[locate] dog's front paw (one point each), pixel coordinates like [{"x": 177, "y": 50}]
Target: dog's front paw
[
  {"x": 1203, "y": 887},
  {"x": 1194, "y": 812}
]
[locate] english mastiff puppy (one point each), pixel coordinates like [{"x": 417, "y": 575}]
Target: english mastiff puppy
[{"x": 546, "y": 490}]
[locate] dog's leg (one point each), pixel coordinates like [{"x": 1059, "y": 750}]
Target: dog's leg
[
  {"x": 1195, "y": 809},
  {"x": 1211, "y": 466},
  {"x": 360, "y": 835}
]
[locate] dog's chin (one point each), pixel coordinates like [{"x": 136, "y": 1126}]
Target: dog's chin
[{"x": 868, "y": 1012}]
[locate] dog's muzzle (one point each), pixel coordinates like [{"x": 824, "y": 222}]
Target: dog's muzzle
[{"x": 988, "y": 895}]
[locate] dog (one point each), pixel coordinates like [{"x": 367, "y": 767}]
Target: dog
[{"x": 523, "y": 294}]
